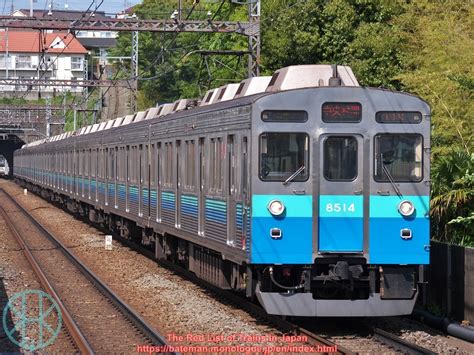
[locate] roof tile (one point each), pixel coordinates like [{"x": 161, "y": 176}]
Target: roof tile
[{"x": 29, "y": 42}]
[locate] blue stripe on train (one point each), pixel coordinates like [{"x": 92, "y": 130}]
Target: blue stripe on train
[
  {"x": 189, "y": 205},
  {"x": 216, "y": 211}
]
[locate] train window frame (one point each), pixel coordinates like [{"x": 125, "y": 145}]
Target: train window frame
[
  {"x": 190, "y": 164},
  {"x": 374, "y": 160},
  {"x": 325, "y": 160},
  {"x": 151, "y": 158},
  {"x": 168, "y": 165},
  {"x": 306, "y": 172},
  {"x": 93, "y": 162},
  {"x": 269, "y": 119},
  {"x": 142, "y": 164},
  {"x": 341, "y": 120},
  {"x": 379, "y": 120},
  {"x": 232, "y": 188},
  {"x": 216, "y": 179}
]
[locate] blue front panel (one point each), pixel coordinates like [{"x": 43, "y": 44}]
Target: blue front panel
[
  {"x": 295, "y": 246},
  {"x": 341, "y": 225},
  {"x": 386, "y": 245}
]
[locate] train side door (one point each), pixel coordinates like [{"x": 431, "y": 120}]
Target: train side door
[
  {"x": 115, "y": 175},
  {"x": 341, "y": 200},
  {"x": 178, "y": 185},
  {"x": 245, "y": 184},
  {"x": 107, "y": 177},
  {"x": 75, "y": 169},
  {"x": 146, "y": 182},
  {"x": 201, "y": 187},
  {"x": 141, "y": 162},
  {"x": 232, "y": 192}
]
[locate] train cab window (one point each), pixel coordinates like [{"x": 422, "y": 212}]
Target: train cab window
[
  {"x": 284, "y": 156},
  {"x": 340, "y": 158},
  {"x": 398, "y": 157}
]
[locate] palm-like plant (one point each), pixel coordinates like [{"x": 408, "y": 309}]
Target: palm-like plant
[{"x": 452, "y": 204}]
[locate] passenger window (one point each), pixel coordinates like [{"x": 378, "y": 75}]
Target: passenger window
[
  {"x": 168, "y": 164},
  {"x": 217, "y": 158},
  {"x": 398, "y": 157},
  {"x": 190, "y": 165},
  {"x": 340, "y": 158}
]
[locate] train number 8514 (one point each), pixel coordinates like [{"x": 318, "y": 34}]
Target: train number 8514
[{"x": 340, "y": 207}]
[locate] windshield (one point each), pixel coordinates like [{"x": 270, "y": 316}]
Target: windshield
[
  {"x": 400, "y": 155},
  {"x": 283, "y": 154}
]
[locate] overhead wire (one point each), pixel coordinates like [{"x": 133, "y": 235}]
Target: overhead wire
[{"x": 175, "y": 65}]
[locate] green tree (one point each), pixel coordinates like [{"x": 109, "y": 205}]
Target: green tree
[
  {"x": 438, "y": 66},
  {"x": 452, "y": 204},
  {"x": 358, "y": 33}
]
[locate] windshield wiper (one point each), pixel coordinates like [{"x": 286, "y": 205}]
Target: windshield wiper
[
  {"x": 390, "y": 177},
  {"x": 292, "y": 176}
]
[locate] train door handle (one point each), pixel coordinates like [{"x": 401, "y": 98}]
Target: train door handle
[{"x": 358, "y": 192}]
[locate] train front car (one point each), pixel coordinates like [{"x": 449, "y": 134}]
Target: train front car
[{"x": 340, "y": 200}]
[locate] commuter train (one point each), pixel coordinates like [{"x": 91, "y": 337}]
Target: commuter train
[{"x": 303, "y": 189}]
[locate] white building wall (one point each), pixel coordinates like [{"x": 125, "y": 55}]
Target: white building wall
[{"x": 62, "y": 69}]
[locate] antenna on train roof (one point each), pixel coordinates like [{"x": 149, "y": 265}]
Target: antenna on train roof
[{"x": 335, "y": 80}]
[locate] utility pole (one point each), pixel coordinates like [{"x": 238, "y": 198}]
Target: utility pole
[
  {"x": 133, "y": 103},
  {"x": 75, "y": 118},
  {"x": 254, "y": 38},
  {"x": 7, "y": 55},
  {"x": 48, "y": 117}
]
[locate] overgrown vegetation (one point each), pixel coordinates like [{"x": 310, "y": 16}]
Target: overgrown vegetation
[{"x": 424, "y": 47}]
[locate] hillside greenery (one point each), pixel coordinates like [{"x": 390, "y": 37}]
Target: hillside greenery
[{"x": 423, "y": 47}]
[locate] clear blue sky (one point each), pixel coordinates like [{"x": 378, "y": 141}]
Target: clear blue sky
[{"x": 109, "y": 6}]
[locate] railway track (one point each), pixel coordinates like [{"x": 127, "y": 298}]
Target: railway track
[
  {"x": 389, "y": 342},
  {"x": 97, "y": 320},
  {"x": 285, "y": 326},
  {"x": 399, "y": 344}
]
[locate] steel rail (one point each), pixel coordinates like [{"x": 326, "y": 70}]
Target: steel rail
[
  {"x": 79, "y": 339},
  {"x": 398, "y": 343},
  {"x": 152, "y": 334}
]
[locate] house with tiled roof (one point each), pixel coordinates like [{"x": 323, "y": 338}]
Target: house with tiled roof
[
  {"x": 97, "y": 41},
  {"x": 32, "y": 55}
]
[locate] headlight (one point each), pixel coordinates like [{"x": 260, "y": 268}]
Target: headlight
[
  {"x": 276, "y": 207},
  {"x": 406, "y": 208}
]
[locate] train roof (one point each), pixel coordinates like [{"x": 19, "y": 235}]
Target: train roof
[{"x": 245, "y": 92}]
